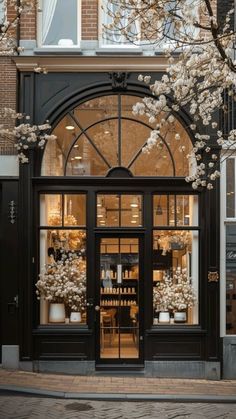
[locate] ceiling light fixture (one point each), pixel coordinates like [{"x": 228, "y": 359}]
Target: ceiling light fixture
[{"x": 70, "y": 127}]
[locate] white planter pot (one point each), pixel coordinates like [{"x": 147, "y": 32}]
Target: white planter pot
[
  {"x": 164, "y": 317},
  {"x": 180, "y": 317},
  {"x": 57, "y": 313},
  {"x": 75, "y": 317}
]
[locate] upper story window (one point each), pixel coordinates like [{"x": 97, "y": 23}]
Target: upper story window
[
  {"x": 59, "y": 23},
  {"x": 2, "y": 11},
  {"x": 103, "y": 133},
  {"x": 121, "y": 27},
  {"x": 115, "y": 37}
]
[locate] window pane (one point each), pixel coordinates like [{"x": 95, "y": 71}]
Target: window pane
[
  {"x": 108, "y": 210},
  {"x": 51, "y": 210},
  {"x": 131, "y": 210},
  {"x": 74, "y": 210},
  {"x": 115, "y": 36},
  {"x": 56, "y": 29},
  {"x": 231, "y": 279},
  {"x": 175, "y": 210},
  {"x": 62, "y": 277},
  {"x": 84, "y": 160},
  {"x": 52, "y": 207},
  {"x": 175, "y": 277},
  {"x": 230, "y": 188},
  {"x": 119, "y": 210}
]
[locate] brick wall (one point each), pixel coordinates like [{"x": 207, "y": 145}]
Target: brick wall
[
  {"x": 28, "y": 25},
  {"x": 7, "y": 94},
  {"x": 89, "y": 20}
]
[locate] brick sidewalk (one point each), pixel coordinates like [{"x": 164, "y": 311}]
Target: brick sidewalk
[{"x": 115, "y": 385}]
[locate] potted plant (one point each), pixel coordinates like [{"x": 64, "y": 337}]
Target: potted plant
[
  {"x": 174, "y": 294},
  {"x": 184, "y": 295},
  {"x": 163, "y": 297},
  {"x": 63, "y": 284}
]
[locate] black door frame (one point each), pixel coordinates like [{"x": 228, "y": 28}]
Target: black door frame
[{"x": 119, "y": 234}]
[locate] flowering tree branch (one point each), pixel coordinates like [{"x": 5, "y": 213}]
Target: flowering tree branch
[
  {"x": 9, "y": 25},
  {"x": 24, "y": 134},
  {"x": 201, "y": 67}
]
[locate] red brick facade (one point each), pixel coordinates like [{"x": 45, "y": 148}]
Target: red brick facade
[{"x": 89, "y": 20}]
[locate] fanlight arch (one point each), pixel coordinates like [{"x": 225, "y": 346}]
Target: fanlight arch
[{"x": 103, "y": 133}]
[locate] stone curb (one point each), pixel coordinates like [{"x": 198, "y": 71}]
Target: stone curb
[{"x": 192, "y": 398}]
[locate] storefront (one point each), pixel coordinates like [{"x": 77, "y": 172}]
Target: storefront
[{"x": 133, "y": 224}]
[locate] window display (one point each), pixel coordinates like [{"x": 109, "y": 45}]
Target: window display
[
  {"x": 175, "y": 259},
  {"x": 61, "y": 287}
]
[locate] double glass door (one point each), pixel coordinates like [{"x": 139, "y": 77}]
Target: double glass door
[{"x": 119, "y": 310}]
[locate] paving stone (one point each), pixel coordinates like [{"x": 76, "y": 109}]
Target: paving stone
[{"x": 21, "y": 407}]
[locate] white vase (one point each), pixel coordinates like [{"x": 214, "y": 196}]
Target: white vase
[
  {"x": 180, "y": 316},
  {"x": 164, "y": 317},
  {"x": 57, "y": 313},
  {"x": 75, "y": 317}
]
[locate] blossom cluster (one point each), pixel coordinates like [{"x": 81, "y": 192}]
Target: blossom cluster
[
  {"x": 174, "y": 293},
  {"x": 9, "y": 24},
  {"x": 24, "y": 134},
  {"x": 64, "y": 281},
  {"x": 200, "y": 68}
]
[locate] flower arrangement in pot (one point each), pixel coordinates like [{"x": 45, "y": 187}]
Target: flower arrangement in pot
[
  {"x": 63, "y": 282},
  {"x": 174, "y": 294},
  {"x": 184, "y": 295}
]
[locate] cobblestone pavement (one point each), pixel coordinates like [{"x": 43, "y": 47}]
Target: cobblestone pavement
[{"x": 21, "y": 407}]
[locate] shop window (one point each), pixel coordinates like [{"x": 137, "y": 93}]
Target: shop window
[
  {"x": 62, "y": 278},
  {"x": 103, "y": 133},
  {"x": 175, "y": 210},
  {"x": 54, "y": 29},
  {"x": 230, "y": 188},
  {"x": 119, "y": 210},
  {"x": 175, "y": 259},
  {"x": 175, "y": 277},
  {"x": 114, "y": 37},
  {"x": 231, "y": 279}
]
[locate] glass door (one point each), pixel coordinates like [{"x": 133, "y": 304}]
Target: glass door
[{"x": 118, "y": 313}]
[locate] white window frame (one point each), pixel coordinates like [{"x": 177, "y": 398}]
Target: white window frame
[
  {"x": 108, "y": 45},
  {"x": 224, "y": 221},
  {"x": 39, "y": 29},
  {"x": 2, "y": 11}
]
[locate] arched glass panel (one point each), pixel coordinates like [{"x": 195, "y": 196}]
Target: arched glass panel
[
  {"x": 103, "y": 133},
  {"x": 84, "y": 160}
]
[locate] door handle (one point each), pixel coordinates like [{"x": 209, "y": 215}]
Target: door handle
[{"x": 97, "y": 308}]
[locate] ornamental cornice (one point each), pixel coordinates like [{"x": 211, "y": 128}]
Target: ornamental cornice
[{"x": 92, "y": 64}]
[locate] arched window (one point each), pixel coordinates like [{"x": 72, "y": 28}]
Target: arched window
[{"x": 103, "y": 133}]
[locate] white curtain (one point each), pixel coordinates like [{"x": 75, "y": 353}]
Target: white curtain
[{"x": 49, "y": 7}]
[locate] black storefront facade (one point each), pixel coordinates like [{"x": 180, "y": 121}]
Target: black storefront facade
[{"x": 124, "y": 261}]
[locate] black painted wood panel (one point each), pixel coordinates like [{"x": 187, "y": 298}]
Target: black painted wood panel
[{"x": 8, "y": 263}]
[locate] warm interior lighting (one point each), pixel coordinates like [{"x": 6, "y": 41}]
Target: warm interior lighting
[
  {"x": 70, "y": 127},
  {"x": 76, "y": 145},
  {"x": 159, "y": 210},
  {"x": 78, "y": 157}
]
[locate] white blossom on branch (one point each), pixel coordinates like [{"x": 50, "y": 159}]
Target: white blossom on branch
[
  {"x": 23, "y": 135},
  {"x": 201, "y": 67}
]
